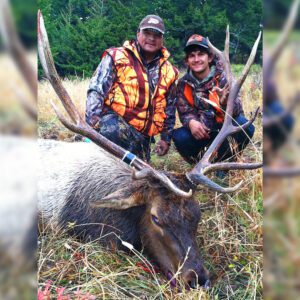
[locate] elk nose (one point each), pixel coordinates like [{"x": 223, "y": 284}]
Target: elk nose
[
  {"x": 193, "y": 283},
  {"x": 192, "y": 279}
]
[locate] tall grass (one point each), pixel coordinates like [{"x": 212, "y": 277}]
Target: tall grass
[
  {"x": 281, "y": 195},
  {"x": 13, "y": 118},
  {"x": 229, "y": 234}
]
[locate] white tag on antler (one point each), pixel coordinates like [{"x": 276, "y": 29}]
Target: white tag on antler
[
  {"x": 210, "y": 102},
  {"x": 128, "y": 245}
]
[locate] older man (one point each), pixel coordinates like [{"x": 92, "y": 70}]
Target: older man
[{"x": 131, "y": 97}]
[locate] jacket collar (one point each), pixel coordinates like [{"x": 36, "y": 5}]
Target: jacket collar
[{"x": 209, "y": 77}]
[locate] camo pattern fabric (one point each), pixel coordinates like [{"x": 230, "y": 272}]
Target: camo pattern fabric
[
  {"x": 203, "y": 111},
  {"x": 102, "y": 81},
  {"x": 123, "y": 134},
  {"x": 99, "y": 87}
]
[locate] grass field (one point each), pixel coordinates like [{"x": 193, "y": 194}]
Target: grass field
[
  {"x": 229, "y": 235},
  {"x": 281, "y": 195},
  {"x": 13, "y": 118}
]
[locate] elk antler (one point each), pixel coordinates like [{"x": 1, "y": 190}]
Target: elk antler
[
  {"x": 204, "y": 166},
  {"x": 282, "y": 172},
  {"x": 271, "y": 58},
  {"x": 281, "y": 42},
  {"x": 15, "y": 49},
  {"x": 270, "y": 61},
  {"x": 80, "y": 126},
  {"x": 273, "y": 120}
]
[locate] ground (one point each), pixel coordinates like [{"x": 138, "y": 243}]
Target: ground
[
  {"x": 229, "y": 234},
  {"x": 281, "y": 195}
]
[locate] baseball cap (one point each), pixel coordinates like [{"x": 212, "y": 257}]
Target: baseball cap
[
  {"x": 153, "y": 22},
  {"x": 196, "y": 40}
]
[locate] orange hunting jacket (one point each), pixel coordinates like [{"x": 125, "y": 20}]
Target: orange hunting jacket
[
  {"x": 191, "y": 94},
  {"x": 130, "y": 95}
]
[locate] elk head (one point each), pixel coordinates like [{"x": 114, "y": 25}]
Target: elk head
[
  {"x": 167, "y": 228},
  {"x": 171, "y": 215},
  {"x": 169, "y": 231}
]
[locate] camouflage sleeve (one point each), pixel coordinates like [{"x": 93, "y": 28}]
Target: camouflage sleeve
[
  {"x": 169, "y": 123},
  {"x": 99, "y": 88},
  {"x": 185, "y": 111}
]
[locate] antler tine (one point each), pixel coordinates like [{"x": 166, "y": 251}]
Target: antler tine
[
  {"x": 204, "y": 166},
  {"x": 231, "y": 166},
  {"x": 249, "y": 63},
  {"x": 200, "y": 178},
  {"x": 229, "y": 129},
  {"x": 226, "y": 55},
  {"x": 214, "y": 49},
  {"x": 64, "y": 120},
  {"x": 80, "y": 126},
  {"x": 289, "y": 24},
  {"x": 15, "y": 48},
  {"x": 282, "y": 172},
  {"x": 223, "y": 55},
  {"x": 227, "y": 40},
  {"x": 163, "y": 179},
  {"x": 29, "y": 107},
  {"x": 270, "y": 121},
  {"x": 47, "y": 62}
]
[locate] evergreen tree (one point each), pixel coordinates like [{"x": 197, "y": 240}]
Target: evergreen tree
[{"x": 80, "y": 30}]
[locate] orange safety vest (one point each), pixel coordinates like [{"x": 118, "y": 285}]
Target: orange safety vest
[
  {"x": 213, "y": 97},
  {"x": 130, "y": 97}
]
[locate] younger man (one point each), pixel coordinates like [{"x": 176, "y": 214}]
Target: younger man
[{"x": 202, "y": 119}]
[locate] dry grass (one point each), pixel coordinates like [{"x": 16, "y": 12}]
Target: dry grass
[
  {"x": 229, "y": 234},
  {"x": 48, "y": 125},
  {"x": 13, "y": 118},
  {"x": 17, "y": 277},
  {"x": 281, "y": 196}
]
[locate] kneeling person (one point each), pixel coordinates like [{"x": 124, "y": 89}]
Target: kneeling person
[
  {"x": 202, "y": 96},
  {"x": 131, "y": 97}
]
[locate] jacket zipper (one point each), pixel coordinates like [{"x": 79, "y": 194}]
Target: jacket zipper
[{"x": 150, "y": 106}]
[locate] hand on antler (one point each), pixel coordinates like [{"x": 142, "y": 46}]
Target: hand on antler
[
  {"x": 222, "y": 93},
  {"x": 198, "y": 130}
]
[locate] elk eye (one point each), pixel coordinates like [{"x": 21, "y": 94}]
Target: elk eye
[{"x": 155, "y": 220}]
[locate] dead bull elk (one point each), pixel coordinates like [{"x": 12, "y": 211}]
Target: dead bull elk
[{"x": 112, "y": 194}]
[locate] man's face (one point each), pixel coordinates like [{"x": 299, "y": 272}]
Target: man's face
[
  {"x": 150, "y": 41},
  {"x": 198, "y": 61}
]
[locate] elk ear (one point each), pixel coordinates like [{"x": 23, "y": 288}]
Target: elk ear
[{"x": 120, "y": 199}]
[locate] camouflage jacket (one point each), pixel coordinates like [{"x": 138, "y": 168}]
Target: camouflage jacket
[
  {"x": 102, "y": 81},
  {"x": 202, "y": 111}
]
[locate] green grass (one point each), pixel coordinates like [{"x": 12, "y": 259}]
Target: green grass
[
  {"x": 238, "y": 68},
  {"x": 271, "y": 36}
]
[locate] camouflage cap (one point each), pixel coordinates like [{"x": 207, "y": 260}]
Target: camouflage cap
[
  {"x": 153, "y": 22},
  {"x": 196, "y": 40}
]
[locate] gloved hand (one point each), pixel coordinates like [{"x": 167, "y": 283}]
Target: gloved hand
[{"x": 161, "y": 148}]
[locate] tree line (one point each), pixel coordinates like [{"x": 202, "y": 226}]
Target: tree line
[{"x": 80, "y": 30}]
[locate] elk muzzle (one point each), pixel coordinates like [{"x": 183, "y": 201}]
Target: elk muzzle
[{"x": 196, "y": 277}]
